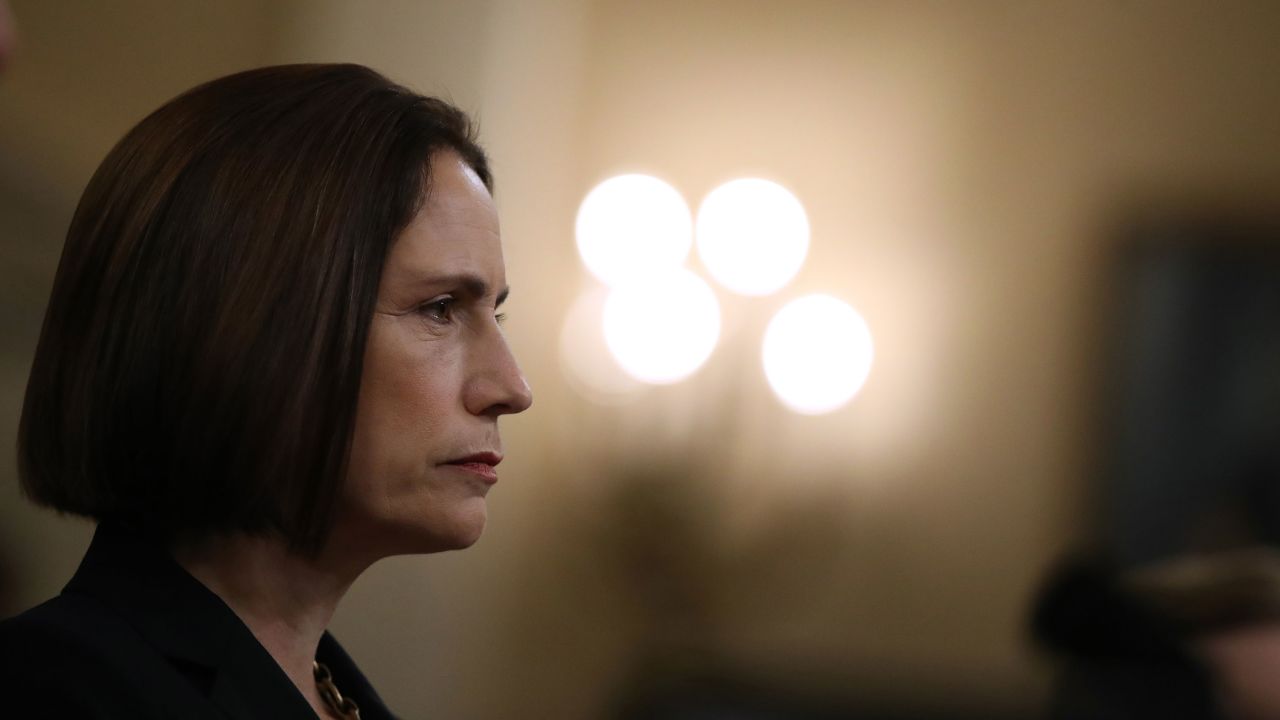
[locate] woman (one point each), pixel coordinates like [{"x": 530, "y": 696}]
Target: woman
[{"x": 272, "y": 356}]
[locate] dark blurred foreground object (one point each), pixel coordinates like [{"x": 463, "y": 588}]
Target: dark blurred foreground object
[
  {"x": 1192, "y": 637},
  {"x": 1119, "y": 659},
  {"x": 1179, "y": 621},
  {"x": 1192, "y": 411}
]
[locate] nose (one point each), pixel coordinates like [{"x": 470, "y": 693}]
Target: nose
[{"x": 498, "y": 387}]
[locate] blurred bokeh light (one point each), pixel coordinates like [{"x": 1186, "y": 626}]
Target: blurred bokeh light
[
  {"x": 632, "y": 225},
  {"x": 585, "y": 357},
  {"x": 817, "y": 354},
  {"x": 752, "y": 235},
  {"x": 662, "y": 328}
]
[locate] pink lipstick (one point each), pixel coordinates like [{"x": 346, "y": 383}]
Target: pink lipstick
[{"x": 483, "y": 465}]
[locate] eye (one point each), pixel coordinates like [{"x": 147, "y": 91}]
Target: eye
[
  {"x": 500, "y": 317},
  {"x": 439, "y": 310}
]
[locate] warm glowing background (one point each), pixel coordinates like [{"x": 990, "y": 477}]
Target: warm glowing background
[{"x": 959, "y": 162}]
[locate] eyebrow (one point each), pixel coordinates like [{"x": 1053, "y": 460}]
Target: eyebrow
[{"x": 472, "y": 285}]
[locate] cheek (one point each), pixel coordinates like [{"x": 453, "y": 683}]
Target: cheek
[
  {"x": 407, "y": 403},
  {"x": 404, "y": 406}
]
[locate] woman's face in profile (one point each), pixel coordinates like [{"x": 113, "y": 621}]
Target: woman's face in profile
[{"x": 437, "y": 375}]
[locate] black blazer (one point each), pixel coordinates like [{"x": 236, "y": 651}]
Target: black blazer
[{"x": 134, "y": 636}]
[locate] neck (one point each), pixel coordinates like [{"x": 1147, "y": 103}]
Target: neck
[{"x": 285, "y": 599}]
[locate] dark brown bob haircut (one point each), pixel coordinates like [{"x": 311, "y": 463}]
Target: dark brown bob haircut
[{"x": 200, "y": 359}]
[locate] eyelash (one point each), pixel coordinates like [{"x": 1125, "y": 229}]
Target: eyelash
[{"x": 446, "y": 305}]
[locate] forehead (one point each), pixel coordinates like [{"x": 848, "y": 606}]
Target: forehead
[
  {"x": 455, "y": 230},
  {"x": 455, "y": 186}
]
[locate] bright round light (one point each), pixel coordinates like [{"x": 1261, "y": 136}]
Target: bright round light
[
  {"x": 752, "y": 235},
  {"x": 660, "y": 330},
  {"x": 817, "y": 354},
  {"x": 630, "y": 226},
  {"x": 584, "y": 356}
]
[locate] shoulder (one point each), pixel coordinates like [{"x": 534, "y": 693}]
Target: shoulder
[
  {"x": 69, "y": 657},
  {"x": 69, "y": 623}
]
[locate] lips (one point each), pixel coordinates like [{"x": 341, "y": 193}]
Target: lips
[
  {"x": 483, "y": 465},
  {"x": 481, "y": 458}
]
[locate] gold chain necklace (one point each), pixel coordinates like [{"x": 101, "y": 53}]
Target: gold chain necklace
[{"x": 345, "y": 707}]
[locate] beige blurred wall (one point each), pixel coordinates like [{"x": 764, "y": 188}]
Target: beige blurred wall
[{"x": 958, "y": 162}]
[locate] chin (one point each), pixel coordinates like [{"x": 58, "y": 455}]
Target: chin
[
  {"x": 456, "y": 530},
  {"x": 414, "y": 530},
  {"x": 459, "y": 538}
]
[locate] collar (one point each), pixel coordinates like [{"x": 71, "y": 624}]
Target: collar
[{"x": 199, "y": 634}]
